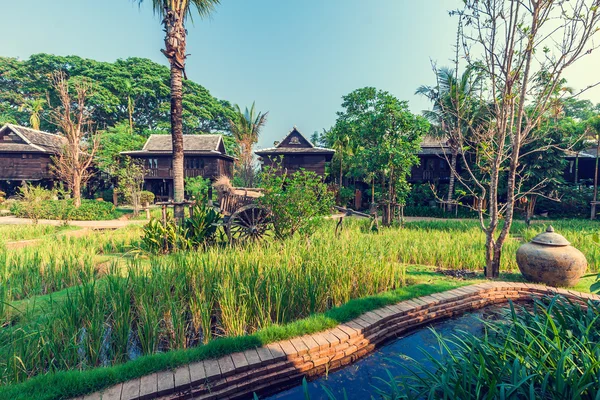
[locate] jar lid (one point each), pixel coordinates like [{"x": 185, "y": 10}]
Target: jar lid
[{"x": 550, "y": 238}]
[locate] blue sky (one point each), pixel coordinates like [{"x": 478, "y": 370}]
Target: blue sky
[{"x": 295, "y": 58}]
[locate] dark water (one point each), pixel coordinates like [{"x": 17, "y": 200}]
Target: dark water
[{"x": 361, "y": 379}]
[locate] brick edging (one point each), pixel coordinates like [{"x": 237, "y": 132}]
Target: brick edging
[{"x": 284, "y": 363}]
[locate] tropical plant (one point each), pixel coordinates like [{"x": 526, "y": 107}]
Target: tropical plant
[
  {"x": 163, "y": 238},
  {"x": 174, "y": 13},
  {"x": 35, "y": 107},
  {"x": 202, "y": 225},
  {"x": 246, "y": 127},
  {"x": 456, "y": 106}
]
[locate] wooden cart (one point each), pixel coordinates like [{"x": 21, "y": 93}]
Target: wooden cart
[{"x": 243, "y": 218}]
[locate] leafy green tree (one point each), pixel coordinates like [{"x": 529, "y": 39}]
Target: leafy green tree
[
  {"x": 246, "y": 127},
  {"x": 133, "y": 89},
  {"x": 296, "y": 200},
  {"x": 387, "y": 137},
  {"x": 112, "y": 142},
  {"x": 174, "y": 13}
]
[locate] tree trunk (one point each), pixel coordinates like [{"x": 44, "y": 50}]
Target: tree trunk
[
  {"x": 577, "y": 169},
  {"x": 593, "y": 216},
  {"x": 77, "y": 190},
  {"x": 530, "y": 209},
  {"x": 177, "y": 136},
  {"x": 452, "y": 178}
]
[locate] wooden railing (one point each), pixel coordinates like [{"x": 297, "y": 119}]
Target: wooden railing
[{"x": 168, "y": 173}]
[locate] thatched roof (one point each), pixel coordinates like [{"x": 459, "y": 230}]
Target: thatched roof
[
  {"x": 192, "y": 145},
  {"x": 20, "y": 139}
]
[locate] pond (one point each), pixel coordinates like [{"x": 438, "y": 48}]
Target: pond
[{"x": 361, "y": 379}]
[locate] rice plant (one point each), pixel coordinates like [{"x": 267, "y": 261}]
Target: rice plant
[{"x": 75, "y": 303}]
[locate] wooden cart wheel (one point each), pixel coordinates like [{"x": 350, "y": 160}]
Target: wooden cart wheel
[{"x": 249, "y": 223}]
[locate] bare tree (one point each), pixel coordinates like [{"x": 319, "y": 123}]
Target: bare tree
[
  {"x": 524, "y": 47},
  {"x": 73, "y": 117}
]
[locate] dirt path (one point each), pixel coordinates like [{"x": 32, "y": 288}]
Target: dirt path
[
  {"x": 19, "y": 244},
  {"x": 111, "y": 224}
]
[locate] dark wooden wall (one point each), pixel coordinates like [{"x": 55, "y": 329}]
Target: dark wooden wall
[
  {"x": 25, "y": 166},
  {"x": 293, "y": 163},
  {"x": 432, "y": 168},
  {"x": 161, "y": 167}
]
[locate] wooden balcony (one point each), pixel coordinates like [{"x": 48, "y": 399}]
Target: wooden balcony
[{"x": 167, "y": 173}]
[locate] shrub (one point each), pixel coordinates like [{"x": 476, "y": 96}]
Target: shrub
[
  {"x": 2, "y": 197},
  {"x": 197, "y": 188},
  {"x": 90, "y": 210},
  {"x": 146, "y": 197},
  {"x": 296, "y": 200},
  {"x": 574, "y": 202}
]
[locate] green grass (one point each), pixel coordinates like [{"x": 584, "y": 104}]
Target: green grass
[
  {"x": 66, "y": 384},
  {"x": 10, "y": 233},
  {"x": 188, "y": 307}
]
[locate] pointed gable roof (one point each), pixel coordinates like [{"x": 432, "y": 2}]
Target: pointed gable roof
[
  {"x": 27, "y": 140},
  {"x": 294, "y": 143}
]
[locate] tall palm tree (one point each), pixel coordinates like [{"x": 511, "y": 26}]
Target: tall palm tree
[
  {"x": 35, "y": 107},
  {"x": 174, "y": 14},
  {"x": 455, "y": 106},
  {"x": 246, "y": 127}
]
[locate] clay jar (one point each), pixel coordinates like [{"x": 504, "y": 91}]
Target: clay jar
[{"x": 549, "y": 258}]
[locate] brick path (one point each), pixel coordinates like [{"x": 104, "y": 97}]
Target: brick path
[{"x": 284, "y": 363}]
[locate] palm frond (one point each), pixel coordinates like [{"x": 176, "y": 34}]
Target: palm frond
[{"x": 182, "y": 7}]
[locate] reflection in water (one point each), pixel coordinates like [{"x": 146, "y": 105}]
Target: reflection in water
[{"x": 361, "y": 379}]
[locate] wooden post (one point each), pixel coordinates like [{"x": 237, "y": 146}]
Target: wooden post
[
  {"x": 210, "y": 196},
  {"x": 147, "y": 208},
  {"x": 164, "y": 214},
  {"x": 357, "y": 199},
  {"x": 191, "y": 208}
]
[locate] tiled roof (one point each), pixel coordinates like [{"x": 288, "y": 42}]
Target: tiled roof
[
  {"x": 34, "y": 141},
  {"x": 202, "y": 144},
  {"x": 190, "y": 143}
]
